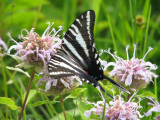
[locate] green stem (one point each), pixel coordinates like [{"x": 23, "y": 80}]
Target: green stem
[
  {"x": 110, "y": 26},
  {"x": 63, "y": 107},
  {"x": 132, "y": 5},
  {"x": 147, "y": 28},
  {"x": 25, "y": 100},
  {"x": 75, "y": 109},
  {"x": 49, "y": 107},
  {"x": 2, "y": 116},
  {"x": 104, "y": 107},
  {"x": 5, "y": 84},
  {"x": 155, "y": 88},
  {"x": 11, "y": 26},
  {"x": 36, "y": 18}
]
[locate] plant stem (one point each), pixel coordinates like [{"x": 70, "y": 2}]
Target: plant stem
[
  {"x": 132, "y": 5},
  {"x": 155, "y": 87},
  {"x": 63, "y": 107},
  {"x": 147, "y": 29},
  {"x": 75, "y": 110},
  {"x": 111, "y": 30},
  {"x": 5, "y": 84},
  {"x": 25, "y": 100},
  {"x": 36, "y": 18},
  {"x": 104, "y": 107}
]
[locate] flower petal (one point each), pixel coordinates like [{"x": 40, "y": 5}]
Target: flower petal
[{"x": 3, "y": 44}]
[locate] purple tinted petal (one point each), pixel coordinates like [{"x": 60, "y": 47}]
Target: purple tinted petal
[
  {"x": 57, "y": 45},
  {"x": 40, "y": 80},
  {"x": 129, "y": 79},
  {"x": 158, "y": 117},
  {"x": 107, "y": 115},
  {"x": 54, "y": 82},
  {"x": 65, "y": 83},
  {"x": 37, "y": 53},
  {"x": 3, "y": 44},
  {"x": 21, "y": 52},
  {"x": 42, "y": 57},
  {"x": 28, "y": 53},
  {"x": 87, "y": 113},
  {"x": 13, "y": 47},
  {"x": 48, "y": 84},
  {"x": 154, "y": 109},
  {"x": 47, "y": 30}
]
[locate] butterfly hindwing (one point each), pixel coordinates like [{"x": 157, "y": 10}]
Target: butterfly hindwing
[{"x": 63, "y": 65}]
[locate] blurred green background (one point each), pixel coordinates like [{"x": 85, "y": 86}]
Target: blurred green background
[{"x": 118, "y": 23}]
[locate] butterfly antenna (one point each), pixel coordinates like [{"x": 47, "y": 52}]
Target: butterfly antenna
[{"x": 116, "y": 84}]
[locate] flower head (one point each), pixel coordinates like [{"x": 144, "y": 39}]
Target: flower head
[
  {"x": 2, "y": 46},
  {"x": 155, "y": 108},
  {"x": 117, "y": 109},
  {"x": 133, "y": 72},
  {"x": 140, "y": 20},
  {"x": 35, "y": 49},
  {"x": 58, "y": 86}
]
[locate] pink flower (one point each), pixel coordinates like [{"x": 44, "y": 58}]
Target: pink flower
[
  {"x": 35, "y": 49},
  {"x": 155, "y": 108},
  {"x": 117, "y": 109},
  {"x": 133, "y": 72},
  {"x": 58, "y": 86}
]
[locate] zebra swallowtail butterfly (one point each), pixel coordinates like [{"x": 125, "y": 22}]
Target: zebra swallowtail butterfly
[{"x": 78, "y": 56}]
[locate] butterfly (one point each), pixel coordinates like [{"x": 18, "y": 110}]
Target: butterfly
[{"x": 78, "y": 56}]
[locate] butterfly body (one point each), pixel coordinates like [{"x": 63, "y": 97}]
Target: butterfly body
[{"x": 78, "y": 56}]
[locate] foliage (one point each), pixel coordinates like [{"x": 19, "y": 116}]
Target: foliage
[{"x": 116, "y": 26}]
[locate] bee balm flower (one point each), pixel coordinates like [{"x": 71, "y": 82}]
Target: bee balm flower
[
  {"x": 58, "y": 86},
  {"x": 133, "y": 72},
  {"x": 36, "y": 50},
  {"x": 117, "y": 109}
]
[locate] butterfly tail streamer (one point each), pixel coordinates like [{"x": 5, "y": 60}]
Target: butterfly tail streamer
[
  {"x": 116, "y": 84},
  {"x": 94, "y": 83}
]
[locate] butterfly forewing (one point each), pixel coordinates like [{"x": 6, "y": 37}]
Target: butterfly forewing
[{"x": 78, "y": 40}]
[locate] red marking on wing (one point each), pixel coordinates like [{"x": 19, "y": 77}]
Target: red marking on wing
[{"x": 86, "y": 72}]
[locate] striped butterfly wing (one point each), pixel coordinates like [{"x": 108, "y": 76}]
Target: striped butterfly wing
[
  {"x": 63, "y": 65},
  {"x": 78, "y": 56},
  {"x": 78, "y": 43}
]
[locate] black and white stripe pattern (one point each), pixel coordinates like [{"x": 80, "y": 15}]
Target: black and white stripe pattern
[
  {"x": 78, "y": 56},
  {"x": 63, "y": 65},
  {"x": 79, "y": 38}
]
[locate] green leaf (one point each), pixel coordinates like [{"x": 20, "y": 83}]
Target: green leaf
[
  {"x": 19, "y": 70},
  {"x": 9, "y": 102},
  {"x": 82, "y": 108},
  {"x": 24, "y": 65},
  {"x": 68, "y": 115},
  {"x": 17, "y": 58},
  {"x": 38, "y": 103},
  {"x": 146, "y": 94},
  {"x": 77, "y": 92},
  {"x": 31, "y": 96}
]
